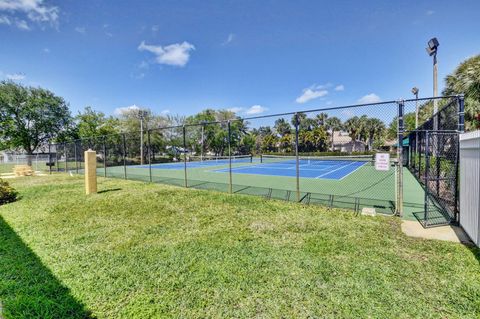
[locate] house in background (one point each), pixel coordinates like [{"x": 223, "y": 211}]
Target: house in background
[{"x": 342, "y": 142}]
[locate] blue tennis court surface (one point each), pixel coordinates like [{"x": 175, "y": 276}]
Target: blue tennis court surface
[
  {"x": 324, "y": 169},
  {"x": 308, "y": 169},
  {"x": 197, "y": 164}
]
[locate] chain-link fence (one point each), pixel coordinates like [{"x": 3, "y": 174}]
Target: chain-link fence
[
  {"x": 8, "y": 161},
  {"x": 325, "y": 156},
  {"x": 431, "y": 154}
]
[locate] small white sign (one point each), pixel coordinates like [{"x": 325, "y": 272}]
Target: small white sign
[{"x": 382, "y": 161}]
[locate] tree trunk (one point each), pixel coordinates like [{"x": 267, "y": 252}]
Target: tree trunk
[{"x": 333, "y": 145}]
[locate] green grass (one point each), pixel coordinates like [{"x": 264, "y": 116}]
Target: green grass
[
  {"x": 372, "y": 188},
  {"x": 139, "y": 250}
]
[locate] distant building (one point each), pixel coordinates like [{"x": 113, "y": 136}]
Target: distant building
[{"x": 342, "y": 142}]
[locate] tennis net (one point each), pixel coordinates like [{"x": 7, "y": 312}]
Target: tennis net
[
  {"x": 316, "y": 160},
  {"x": 209, "y": 160}
]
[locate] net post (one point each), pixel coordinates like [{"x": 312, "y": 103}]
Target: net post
[
  {"x": 230, "y": 186},
  {"x": 104, "y": 157},
  {"x": 401, "y": 108},
  {"x": 297, "y": 164},
  {"x": 185, "y": 155},
  {"x": 124, "y": 156},
  {"x": 149, "y": 148}
]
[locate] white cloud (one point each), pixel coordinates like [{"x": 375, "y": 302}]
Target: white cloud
[
  {"x": 5, "y": 20},
  {"x": 235, "y": 109},
  {"x": 15, "y": 76},
  {"x": 22, "y": 25},
  {"x": 255, "y": 109},
  {"x": 34, "y": 10},
  {"x": 229, "y": 39},
  {"x": 340, "y": 87},
  {"x": 46, "y": 50},
  {"x": 155, "y": 28},
  {"x": 165, "y": 112},
  {"x": 126, "y": 109},
  {"x": 430, "y": 12},
  {"x": 81, "y": 30},
  {"x": 176, "y": 54},
  {"x": 313, "y": 92},
  {"x": 369, "y": 98}
]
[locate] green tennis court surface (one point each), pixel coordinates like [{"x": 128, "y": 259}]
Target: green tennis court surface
[{"x": 363, "y": 187}]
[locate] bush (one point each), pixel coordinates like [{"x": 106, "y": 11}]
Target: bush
[{"x": 7, "y": 193}]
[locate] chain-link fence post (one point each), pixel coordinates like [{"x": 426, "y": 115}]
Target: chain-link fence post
[
  {"x": 149, "y": 150},
  {"x": 401, "y": 107},
  {"x": 297, "y": 164},
  {"x": 65, "y": 153},
  {"x": 230, "y": 187},
  {"x": 49, "y": 158},
  {"x": 427, "y": 165},
  {"x": 460, "y": 129},
  {"x": 124, "y": 149},
  {"x": 75, "y": 155},
  {"x": 104, "y": 157},
  {"x": 185, "y": 155},
  {"x": 461, "y": 114},
  {"x": 56, "y": 157}
]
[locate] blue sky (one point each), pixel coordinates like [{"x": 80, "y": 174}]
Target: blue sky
[{"x": 256, "y": 57}]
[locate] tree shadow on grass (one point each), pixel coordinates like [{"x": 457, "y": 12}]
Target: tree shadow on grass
[{"x": 28, "y": 289}]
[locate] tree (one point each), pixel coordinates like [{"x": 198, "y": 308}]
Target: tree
[
  {"x": 30, "y": 117},
  {"x": 352, "y": 125},
  {"x": 375, "y": 129},
  {"x": 466, "y": 80},
  {"x": 333, "y": 124},
  {"x": 282, "y": 127},
  {"x": 91, "y": 123},
  {"x": 321, "y": 118},
  {"x": 408, "y": 122}
]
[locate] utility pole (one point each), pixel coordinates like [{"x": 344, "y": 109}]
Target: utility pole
[{"x": 432, "y": 49}]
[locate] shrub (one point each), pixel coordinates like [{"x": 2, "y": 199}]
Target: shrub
[{"x": 7, "y": 193}]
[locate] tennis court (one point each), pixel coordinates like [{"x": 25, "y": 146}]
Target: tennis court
[
  {"x": 347, "y": 182},
  {"x": 309, "y": 167}
]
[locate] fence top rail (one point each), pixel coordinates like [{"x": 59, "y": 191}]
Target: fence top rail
[{"x": 273, "y": 115}]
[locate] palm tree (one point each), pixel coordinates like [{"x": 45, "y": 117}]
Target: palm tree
[
  {"x": 374, "y": 128},
  {"x": 333, "y": 124},
  {"x": 321, "y": 118},
  {"x": 352, "y": 125},
  {"x": 466, "y": 79}
]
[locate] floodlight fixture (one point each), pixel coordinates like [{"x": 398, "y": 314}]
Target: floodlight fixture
[
  {"x": 415, "y": 91},
  {"x": 433, "y": 45}
]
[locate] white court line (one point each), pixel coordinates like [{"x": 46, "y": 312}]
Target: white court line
[
  {"x": 353, "y": 171},
  {"x": 335, "y": 170}
]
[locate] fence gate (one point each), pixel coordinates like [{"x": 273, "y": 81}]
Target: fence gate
[{"x": 432, "y": 156}]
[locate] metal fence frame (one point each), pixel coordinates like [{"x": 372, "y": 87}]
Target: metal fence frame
[
  {"x": 100, "y": 147},
  {"x": 427, "y": 151}
]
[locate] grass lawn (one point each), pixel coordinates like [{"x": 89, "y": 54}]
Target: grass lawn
[{"x": 140, "y": 250}]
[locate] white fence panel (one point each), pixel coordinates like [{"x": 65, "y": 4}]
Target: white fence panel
[{"x": 470, "y": 184}]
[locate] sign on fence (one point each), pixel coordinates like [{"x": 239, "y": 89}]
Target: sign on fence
[{"x": 382, "y": 161}]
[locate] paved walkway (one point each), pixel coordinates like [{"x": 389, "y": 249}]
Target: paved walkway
[{"x": 448, "y": 233}]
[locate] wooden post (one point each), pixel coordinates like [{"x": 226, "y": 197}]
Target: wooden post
[{"x": 90, "y": 172}]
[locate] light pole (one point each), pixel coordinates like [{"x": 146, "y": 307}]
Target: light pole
[
  {"x": 432, "y": 49},
  {"x": 415, "y": 91},
  {"x": 141, "y": 115}
]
